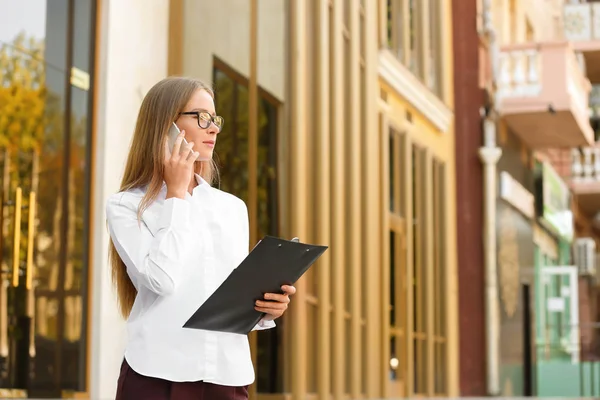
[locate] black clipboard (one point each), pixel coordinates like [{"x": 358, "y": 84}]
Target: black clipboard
[{"x": 272, "y": 263}]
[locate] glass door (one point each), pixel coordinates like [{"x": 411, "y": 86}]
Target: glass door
[
  {"x": 398, "y": 363},
  {"x": 45, "y": 98},
  {"x": 560, "y": 315}
]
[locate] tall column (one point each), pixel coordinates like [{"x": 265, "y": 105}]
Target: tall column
[
  {"x": 490, "y": 154},
  {"x": 373, "y": 238},
  {"x": 299, "y": 136},
  {"x": 354, "y": 163},
  {"x": 323, "y": 196},
  {"x": 338, "y": 215},
  {"x": 122, "y": 78}
]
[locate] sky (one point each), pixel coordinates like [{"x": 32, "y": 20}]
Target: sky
[{"x": 22, "y": 15}]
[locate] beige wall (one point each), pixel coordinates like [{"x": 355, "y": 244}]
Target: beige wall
[
  {"x": 431, "y": 126},
  {"x": 222, "y": 28},
  {"x": 543, "y": 16},
  {"x": 126, "y": 69},
  {"x": 334, "y": 135}
]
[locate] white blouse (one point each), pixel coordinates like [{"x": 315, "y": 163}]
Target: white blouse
[{"x": 177, "y": 256}]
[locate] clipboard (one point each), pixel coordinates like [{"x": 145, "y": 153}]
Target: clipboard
[{"x": 273, "y": 262}]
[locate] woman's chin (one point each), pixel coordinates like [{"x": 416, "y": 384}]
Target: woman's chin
[{"x": 204, "y": 157}]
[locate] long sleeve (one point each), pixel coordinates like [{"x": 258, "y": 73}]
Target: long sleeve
[
  {"x": 183, "y": 250},
  {"x": 152, "y": 260},
  {"x": 264, "y": 325}
]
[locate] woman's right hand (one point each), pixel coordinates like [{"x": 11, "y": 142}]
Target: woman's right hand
[{"x": 179, "y": 167}]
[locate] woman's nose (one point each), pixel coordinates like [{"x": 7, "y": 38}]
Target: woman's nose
[{"x": 213, "y": 129}]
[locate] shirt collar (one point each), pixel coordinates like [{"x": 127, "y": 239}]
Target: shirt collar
[
  {"x": 200, "y": 180},
  {"x": 202, "y": 184}
]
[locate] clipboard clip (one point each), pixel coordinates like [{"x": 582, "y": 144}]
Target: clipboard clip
[{"x": 294, "y": 240}]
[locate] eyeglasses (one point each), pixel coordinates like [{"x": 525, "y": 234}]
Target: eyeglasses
[{"x": 205, "y": 119}]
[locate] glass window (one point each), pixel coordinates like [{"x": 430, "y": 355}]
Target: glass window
[
  {"x": 46, "y": 54},
  {"x": 427, "y": 338},
  {"x": 397, "y": 269},
  {"x": 433, "y": 77},
  {"x": 231, "y": 101},
  {"x": 392, "y": 301},
  {"x": 392, "y": 171},
  {"x": 408, "y": 34},
  {"x": 235, "y": 56},
  {"x": 439, "y": 278},
  {"x": 420, "y": 300}
]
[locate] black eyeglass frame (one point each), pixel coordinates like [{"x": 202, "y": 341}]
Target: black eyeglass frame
[{"x": 211, "y": 119}]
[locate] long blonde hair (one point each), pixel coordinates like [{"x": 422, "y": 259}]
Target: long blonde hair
[{"x": 144, "y": 168}]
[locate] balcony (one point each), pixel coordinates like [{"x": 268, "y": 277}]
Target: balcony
[
  {"x": 543, "y": 95},
  {"x": 582, "y": 28},
  {"x": 585, "y": 178}
]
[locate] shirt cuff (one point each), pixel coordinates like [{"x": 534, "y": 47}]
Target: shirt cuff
[
  {"x": 175, "y": 212},
  {"x": 264, "y": 324}
]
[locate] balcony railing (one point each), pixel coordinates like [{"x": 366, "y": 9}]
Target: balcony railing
[
  {"x": 585, "y": 178},
  {"x": 586, "y": 165},
  {"x": 543, "y": 94}
]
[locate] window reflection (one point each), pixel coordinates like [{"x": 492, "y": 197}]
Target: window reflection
[
  {"x": 44, "y": 150},
  {"x": 231, "y": 98}
]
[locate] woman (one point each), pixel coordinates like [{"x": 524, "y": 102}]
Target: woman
[{"x": 174, "y": 240}]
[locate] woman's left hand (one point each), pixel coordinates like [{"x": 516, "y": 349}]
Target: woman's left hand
[{"x": 275, "y": 304}]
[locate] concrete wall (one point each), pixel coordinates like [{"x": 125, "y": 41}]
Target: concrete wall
[
  {"x": 132, "y": 56},
  {"x": 222, "y": 29},
  {"x": 512, "y": 25}
]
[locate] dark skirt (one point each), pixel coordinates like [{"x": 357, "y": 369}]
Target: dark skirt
[{"x": 133, "y": 386}]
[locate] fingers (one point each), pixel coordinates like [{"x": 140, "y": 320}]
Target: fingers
[
  {"x": 271, "y": 313},
  {"x": 182, "y": 151},
  {"x": 277, "y": 297},
  {"x": 289, "y": 290},
  {"x": 275, "y": 304},
  {"x": 272, "y": 305},
  {"x": 274, "y": 310},
  {"x": 193, "y": 155},
  {"x": 186, "y": 150},
  {"x": 177, "y": 145}
]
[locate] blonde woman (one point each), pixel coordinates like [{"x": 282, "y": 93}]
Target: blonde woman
[{"x": 174, "y": 240}]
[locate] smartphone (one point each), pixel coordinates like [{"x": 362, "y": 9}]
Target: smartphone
[{"x": 173, "y": 133}]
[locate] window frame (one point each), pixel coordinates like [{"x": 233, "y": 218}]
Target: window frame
[
  {"x": 418, "y": 43},
  {"x": 418, "y": 255},
  {"x": 275, "y": 335}
]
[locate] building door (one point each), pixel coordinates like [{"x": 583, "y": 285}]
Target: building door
[
  {"x": 399, "y": 336},
  {"x": 559, "y": 314},
  {"x": 528, "y": 343},
  {"x": 45, "y": 100}
]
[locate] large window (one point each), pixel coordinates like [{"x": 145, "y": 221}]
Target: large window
[
  {"x": 440, "y": 294},
  {"x": 46, "y": 61},
  {"x": 414, "y": 36},
  {"x": 417, "y": 271},
  {"x": 398, "y": 300},
  {"x": 232, "y": 102},
  {"x": 420, "y": 298}
]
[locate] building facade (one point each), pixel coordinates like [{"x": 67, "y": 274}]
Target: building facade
[
  {"x": 524, "y": 120},
  {"x": 416, "y": 102},
  {"x": 339, "y": 130},
  {"x": 47, "y": 53}
]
